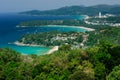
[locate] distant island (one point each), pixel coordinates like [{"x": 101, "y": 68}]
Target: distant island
[{"x": 78, "y": 10}]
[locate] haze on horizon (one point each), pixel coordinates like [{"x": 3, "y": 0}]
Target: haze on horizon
[{"x": 25, "y": 5}]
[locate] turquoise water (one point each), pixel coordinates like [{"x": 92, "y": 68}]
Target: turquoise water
[
  {"x": 30, "y": 49},
  {"x": 66, "y": 28},
  {"x": 9, "y": 33}
]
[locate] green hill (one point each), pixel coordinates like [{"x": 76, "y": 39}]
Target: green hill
[{"x": 78, "y": 10}]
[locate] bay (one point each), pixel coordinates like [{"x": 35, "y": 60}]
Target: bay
[{"x": 9, "y": 33}]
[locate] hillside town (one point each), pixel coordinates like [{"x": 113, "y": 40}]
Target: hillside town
[{"x": 102, "y": 20}]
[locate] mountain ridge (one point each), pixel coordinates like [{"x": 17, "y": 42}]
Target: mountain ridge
[{"x": 78, "y": 10}]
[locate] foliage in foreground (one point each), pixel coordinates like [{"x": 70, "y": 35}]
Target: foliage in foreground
[{"x": 96, "y": 63}]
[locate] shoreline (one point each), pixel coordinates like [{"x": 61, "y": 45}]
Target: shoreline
[
  {"x": 80, "y": 27},
  {"x": 88, "y": 29},
  {"x": 22, "y": 44},
  {"x": 53, "y": 49}
]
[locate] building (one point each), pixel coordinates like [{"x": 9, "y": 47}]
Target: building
[{"x": 100, "y": 15}]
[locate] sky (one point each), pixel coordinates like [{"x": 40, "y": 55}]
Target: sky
[{"x": 25, "y": 5}]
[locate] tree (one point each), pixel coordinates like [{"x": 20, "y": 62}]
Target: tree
[
  {"x": 65, "y": 47},
  {"x": 79, "y": 75},
  {"x": 100, "y": 71},
  {"x": 115, "y": 74},
  {"x": 105, "y": 45},
  {"x": 115, "y": 54}
]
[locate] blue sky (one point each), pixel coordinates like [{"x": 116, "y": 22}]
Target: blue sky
[{"x": 24, "y": 5}]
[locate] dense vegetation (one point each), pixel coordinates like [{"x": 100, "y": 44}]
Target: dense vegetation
[
  {"x": 100, "y": 62},
  {"x": 78, "y": 10},
  {"x": 52, "y": 22},
  {"x": 77, "y": 23},
  {"x": 111, "y": 34},
  {"x": 53, "y": 38}
]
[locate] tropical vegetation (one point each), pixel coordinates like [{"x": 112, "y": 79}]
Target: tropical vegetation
[{"x": 100, "y": 62}]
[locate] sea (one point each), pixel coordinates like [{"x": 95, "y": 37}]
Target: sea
[{"x": 9, "y": 33}]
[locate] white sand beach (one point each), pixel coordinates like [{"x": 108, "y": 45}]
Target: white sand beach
[
  {"x": 55, "y": 48},
  {"x": 88, "y": 29},
  {"x": 82, "y": 27}
]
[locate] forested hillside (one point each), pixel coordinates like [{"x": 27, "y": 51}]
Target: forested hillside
[
  {"x": 54, "y": 38},
  {"x": 78, "y": 10},
  {"x": 101, "y": 61},
  {"x": 52, "y": 22}
]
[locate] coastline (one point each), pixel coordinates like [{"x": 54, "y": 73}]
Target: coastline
[
  {"x": 53, "y": 49},
  {"x": 22, "y": 44},
  {"x": 88, "y": 29},
  {"x": 82, "y": 27}
]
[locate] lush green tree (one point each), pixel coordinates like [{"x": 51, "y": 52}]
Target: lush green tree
[
  {"x": 93, "y": 63},
  {"x": 79, "y": 75},
  {"x": 105, "y": 45},
  {"x": 41, "y": 76},
  {"x": 65, "y": 47},
  {"x": 7, "y": 55},
  {"x": 115, "y": 54},
  {"x": 100, "y": 71},
  {"x": 37, "y": 70},
  {"x": 115, "y": 74}
]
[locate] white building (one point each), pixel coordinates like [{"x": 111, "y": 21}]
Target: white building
[{"x": 100, "y": 15}]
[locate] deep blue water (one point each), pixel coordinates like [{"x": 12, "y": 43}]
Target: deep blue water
[{"x": 9, "y": 33}]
